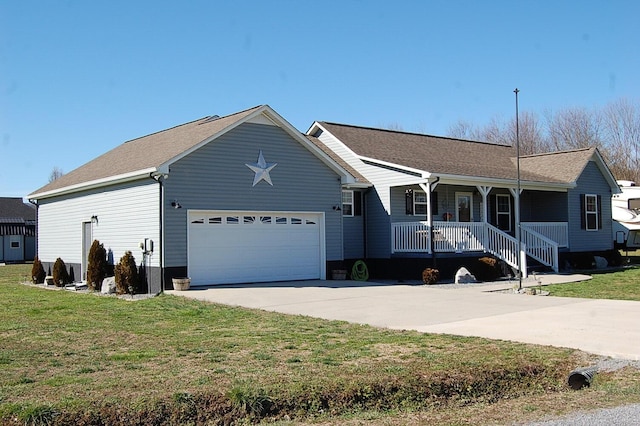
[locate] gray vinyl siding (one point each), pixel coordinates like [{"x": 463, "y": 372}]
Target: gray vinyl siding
[
  {"x": 446, "y": 199},
  {"x": 353, "y": 234},
  {"x": 127, "y": 214},
  {"x": 2, "y": 248},
  {"x": 591, "y": 181},
  {"x": 378, "y": 228},
  {"x": 215, "y": 177}
]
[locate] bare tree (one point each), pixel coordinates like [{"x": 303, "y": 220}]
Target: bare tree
[
  {"x": 574, "y": 128},
  {"x": 621, "y": 127},
  {"x": 55, "y": 173}
]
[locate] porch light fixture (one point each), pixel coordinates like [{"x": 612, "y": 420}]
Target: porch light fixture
[
  {"x": 175, "y": 204},
  {"x": 94, "y": 219},
  {"x": 337, "y": 208}
]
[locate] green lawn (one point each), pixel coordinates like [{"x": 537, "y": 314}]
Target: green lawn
[
  {"x": 71, "y": 358},
  {"x": 621, "y": 285}
]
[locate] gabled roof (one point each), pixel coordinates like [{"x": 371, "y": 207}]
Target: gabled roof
[
  {"x": 154, "y": 153},
  {"x": 457, "y": 157},
  {"x": 356, "y": 174},
  {"x": 14, "y": 210}
]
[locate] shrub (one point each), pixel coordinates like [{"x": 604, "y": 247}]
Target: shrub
[
  {"x": 486, "y": 269},
  {"x": 37, "y": 271},
  {"x": 126, "y": 274},
  {"x": 96, "y": 265},
  {"x": 430, "y": 276},
  {"x": 60, "y": 275}
]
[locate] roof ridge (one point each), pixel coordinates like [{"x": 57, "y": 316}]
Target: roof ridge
[
  {"x": 415, "y": 134},
  {"x": 566, "y": 151}
]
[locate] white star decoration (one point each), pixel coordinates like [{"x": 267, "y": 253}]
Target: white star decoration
[{"x": 262, "y": 169}]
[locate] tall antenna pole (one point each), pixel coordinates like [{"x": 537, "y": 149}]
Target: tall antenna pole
[{"x": 517, "y": 200}]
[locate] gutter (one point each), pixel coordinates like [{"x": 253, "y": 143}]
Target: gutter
[{"x": 160, "y": 178}]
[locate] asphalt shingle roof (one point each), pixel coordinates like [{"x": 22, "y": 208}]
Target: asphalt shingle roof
[
  {"x": 147, "y": 152},
  {"x": 442, "y": 155},
  {"x": 14, "y": 210}
]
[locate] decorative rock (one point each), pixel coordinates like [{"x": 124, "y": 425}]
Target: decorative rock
[
  {"x": 108, "y": 285},
  {"x": 601, "y": 262},
  {"x": 463, "y": 276}
]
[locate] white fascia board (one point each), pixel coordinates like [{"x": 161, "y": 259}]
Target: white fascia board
[
  {"x": 356, "y": 185},
  {"x": 602, "y": 165},
  {"x": 504, "y": 183},
  {"x": 422, "y": 173},
  {"x": 112, "y": 180}
]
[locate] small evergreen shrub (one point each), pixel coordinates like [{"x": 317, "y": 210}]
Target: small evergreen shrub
[
  {"x": 37, "y": 271},
  {"x": 126, "y": 274},
  {"x": 96, "y": 266},
  {"x": 487, "y": 269},
  {"x": 60, "y": 275},
  {"x": 430, "y": 276}
]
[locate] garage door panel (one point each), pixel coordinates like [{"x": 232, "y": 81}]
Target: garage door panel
[{"x": 236, "y": 247}]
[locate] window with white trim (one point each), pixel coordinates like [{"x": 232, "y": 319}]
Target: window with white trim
[
  {"x": 419, "y": 203},
  {"x": 347, "y": 203},
  {"x": 591, "y": 212},
  {"x": 503, "y": 212}
]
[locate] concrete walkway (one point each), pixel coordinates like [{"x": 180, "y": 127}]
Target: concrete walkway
[{"x": 603, "y": 327}]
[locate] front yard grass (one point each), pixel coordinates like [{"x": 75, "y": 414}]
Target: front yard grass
[
  {"x": 623, "y": 284},
  {"x": 70, "y": 358}
]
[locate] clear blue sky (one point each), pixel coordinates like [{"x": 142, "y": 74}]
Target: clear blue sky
[{"x": 79, "y": 77}]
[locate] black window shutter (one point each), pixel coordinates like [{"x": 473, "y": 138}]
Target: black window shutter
[
  {"x": 492, "y": 211},
  {"x": 357, "y": 203},
  {"x": 434, "y": 203},
  {"x": 408, "y": 201},
  {"x": 583, "y": 219},
  {"x": 599, "y": 200}
]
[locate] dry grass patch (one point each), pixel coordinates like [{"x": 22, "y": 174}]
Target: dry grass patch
[{"x": 84, "y": 359}]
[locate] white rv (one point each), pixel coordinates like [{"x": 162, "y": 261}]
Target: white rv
[{"x": 625, "y": 211}]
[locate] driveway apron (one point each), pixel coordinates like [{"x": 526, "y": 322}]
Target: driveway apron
[{"x": 603, "y": 327}]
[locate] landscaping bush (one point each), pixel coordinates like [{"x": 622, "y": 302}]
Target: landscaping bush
[
  {"x": 37, "y": 271},
  {"x": 486, "y": 269},
  {"x": 96, "y": 265},
  {"x": 60, "y": 275},
  {"x": 430, "y": 276},
  {"x": 126, "y": 274}
]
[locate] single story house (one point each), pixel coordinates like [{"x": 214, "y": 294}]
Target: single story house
[
  {"x": 437, "y": 197},
  {"x": 17, "y": 230},
  {"x": 248, "y": 198}
]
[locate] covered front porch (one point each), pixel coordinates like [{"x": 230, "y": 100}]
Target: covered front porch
[
  {"x": 483, "y": 219},
  {"x": 462, "y": 237}
]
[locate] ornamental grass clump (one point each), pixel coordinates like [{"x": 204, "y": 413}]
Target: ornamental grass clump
[
  {"x": 96, "y": 265},
  {"x": 37, "y": 271},
  {"x": 126, "y": 274},
  {"x": 60, "y": 274}
]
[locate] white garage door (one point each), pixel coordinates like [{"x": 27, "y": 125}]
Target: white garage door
[{"x": 244, "y": 247}]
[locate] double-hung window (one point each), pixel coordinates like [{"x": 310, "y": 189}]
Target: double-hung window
[
  {"x": 419, "y": 203},
  {"x": 347, "y": 203},
  {"x": 503, "y": 212},
  {"x": 591, "y": 212}
]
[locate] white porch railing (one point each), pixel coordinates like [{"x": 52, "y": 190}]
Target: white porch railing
[
  {"x": 457, "y": 236},
  {"x": 540, "y": 247},
  {"x": 505, "y": 247},
  {"x": 410, "y": 237},
  {"x": 555, "y": 231},
  {"x": 461, "y": 237}
]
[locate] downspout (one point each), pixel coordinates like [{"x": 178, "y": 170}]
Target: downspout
[
  {"x": 35, "y": 203},
  {"x": 160, "y": 177},
  {"x": 429, "y": 215},
  {"x": 364, "y": 223}
]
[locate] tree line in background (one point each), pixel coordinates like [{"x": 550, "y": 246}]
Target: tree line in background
[{"x": 613, "y": 129}]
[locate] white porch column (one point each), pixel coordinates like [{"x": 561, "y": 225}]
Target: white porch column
[
  {"x": 484, "y": 191},
  {"x": 427, "y": 190}
]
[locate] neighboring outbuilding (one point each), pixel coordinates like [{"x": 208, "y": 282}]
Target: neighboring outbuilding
[
  {"x": 17, "y": 230},
  {"x": 237, "y": 199}
]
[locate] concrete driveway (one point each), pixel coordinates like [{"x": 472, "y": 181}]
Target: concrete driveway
[{"x": 603, "y": 327}]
